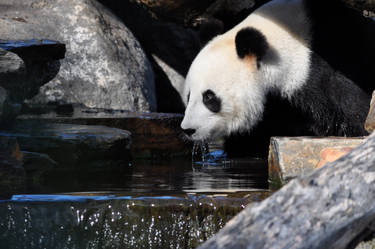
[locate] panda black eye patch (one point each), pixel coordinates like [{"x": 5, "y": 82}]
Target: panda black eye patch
[{"x": 211, "y": 101}]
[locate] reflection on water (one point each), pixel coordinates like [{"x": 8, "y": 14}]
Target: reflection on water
[
  {"x": 169, "y": 177},
  {"x": 171, "y": 204}
]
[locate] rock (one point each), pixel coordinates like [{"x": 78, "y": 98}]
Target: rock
[
  {"x": 170, "y": 47},
  {"x": 230, "y": 11},
  {"x": 191, "y": 12},
  {"x": 232, "y": 6},
  {"x": 12, "y": 174},
  {"x": 37, "y": 166},
  {"x": 12, "y": 76},
  {"x": 363, "y": 5},
  {"x": 10, "y": 63},
  {"x": 10, "y": 151},
  {"x": 172, "y": 50},
  {"x": 27, "y": 65},
  {"x": 174, "y": 79},
  {"x": 104, "y": 66},
  {"x": 290, "y": 157},
  {"x": 9, "y": 113},
  {"x": 369, "y": 14},
  {"x": 3, "y": 97},
  {"x": 72, "y": 145},
  {"x": 181, "y": 11},
  {"x": 370, "y": 120},
  {"x": 37, "y": 162},
  {"x": 366, "y": 245},
  {"x": 154, "y": 135},
  {"x": 332, "y": 207}
]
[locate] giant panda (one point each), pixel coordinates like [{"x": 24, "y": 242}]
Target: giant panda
[{"x": 292, "y": 67}]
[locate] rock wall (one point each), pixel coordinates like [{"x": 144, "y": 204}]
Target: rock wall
[{"x": 363, "y": 5}]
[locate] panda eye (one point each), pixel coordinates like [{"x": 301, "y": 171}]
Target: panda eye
[
  {"x": 211, "y": 101},
  {"x": 208, "y": 96}
]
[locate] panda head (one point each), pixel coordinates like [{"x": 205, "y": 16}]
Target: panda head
[{"x": 224, "y": 90}]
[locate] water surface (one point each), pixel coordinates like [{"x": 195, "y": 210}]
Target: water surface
[{"x": 171, "y": 204}]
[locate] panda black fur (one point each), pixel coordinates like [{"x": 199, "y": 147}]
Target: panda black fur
[{"x": 291, "y": 68}]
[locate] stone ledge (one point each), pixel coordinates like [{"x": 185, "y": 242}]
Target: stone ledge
[
  {"x": 35, "y": 49},
  {"x": 71, "y": 145},
  {"x": 154, "y": 135}
]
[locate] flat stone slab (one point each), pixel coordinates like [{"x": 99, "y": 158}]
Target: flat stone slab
[
  {"x": 154, "y": 135},
  {"x": 290, "y": 157},
  {"x": 72, "y": 144},
  {"x": 9, "y": 147},
  {"x": 37, "y": 162},
  {"x": 36, "y": 49},
  {"x": 12, "y": 174}
]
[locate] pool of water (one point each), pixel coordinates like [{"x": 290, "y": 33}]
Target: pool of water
[
  {"x": 152, "y": 178},
  {"x": 144, "y": 204}
]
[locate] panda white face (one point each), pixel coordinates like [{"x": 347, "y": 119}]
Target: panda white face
[
  {"x": 219, "y": 103},
  {"x": 227, "y": 83}
]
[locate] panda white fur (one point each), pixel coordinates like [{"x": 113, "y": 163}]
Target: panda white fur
[{"x": 285, "y": 61}]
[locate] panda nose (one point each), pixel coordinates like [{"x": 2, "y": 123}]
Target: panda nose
[{"x": 189, "y": 132}]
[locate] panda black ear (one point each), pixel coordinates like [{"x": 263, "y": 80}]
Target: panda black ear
[
  {"x": 251, "y": 41},
  {"x": 209, "y": 29}
]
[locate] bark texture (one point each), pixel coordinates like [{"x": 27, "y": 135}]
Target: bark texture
[{"x": 333, "y": 207}]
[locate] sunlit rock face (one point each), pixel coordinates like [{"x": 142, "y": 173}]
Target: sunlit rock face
[{"x": 104, "y": 67}]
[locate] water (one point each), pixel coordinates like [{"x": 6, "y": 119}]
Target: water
[
  {"x": 90, "y": 223},
  {"x": 165, "y": 204},
  {"x": 178, "y": 176}
]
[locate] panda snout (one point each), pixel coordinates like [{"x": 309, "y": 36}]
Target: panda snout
[{"x": 189, "y": 132}]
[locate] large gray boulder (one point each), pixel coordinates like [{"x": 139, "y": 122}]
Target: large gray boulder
[{"x": 105, "y": 66}]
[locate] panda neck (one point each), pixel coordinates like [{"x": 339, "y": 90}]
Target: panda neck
[{"x": 331, "y": 102}]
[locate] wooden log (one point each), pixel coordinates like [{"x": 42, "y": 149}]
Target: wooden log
[
  {"x": 290, "y": 157},
  {"x": 333, "y": 207}
]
